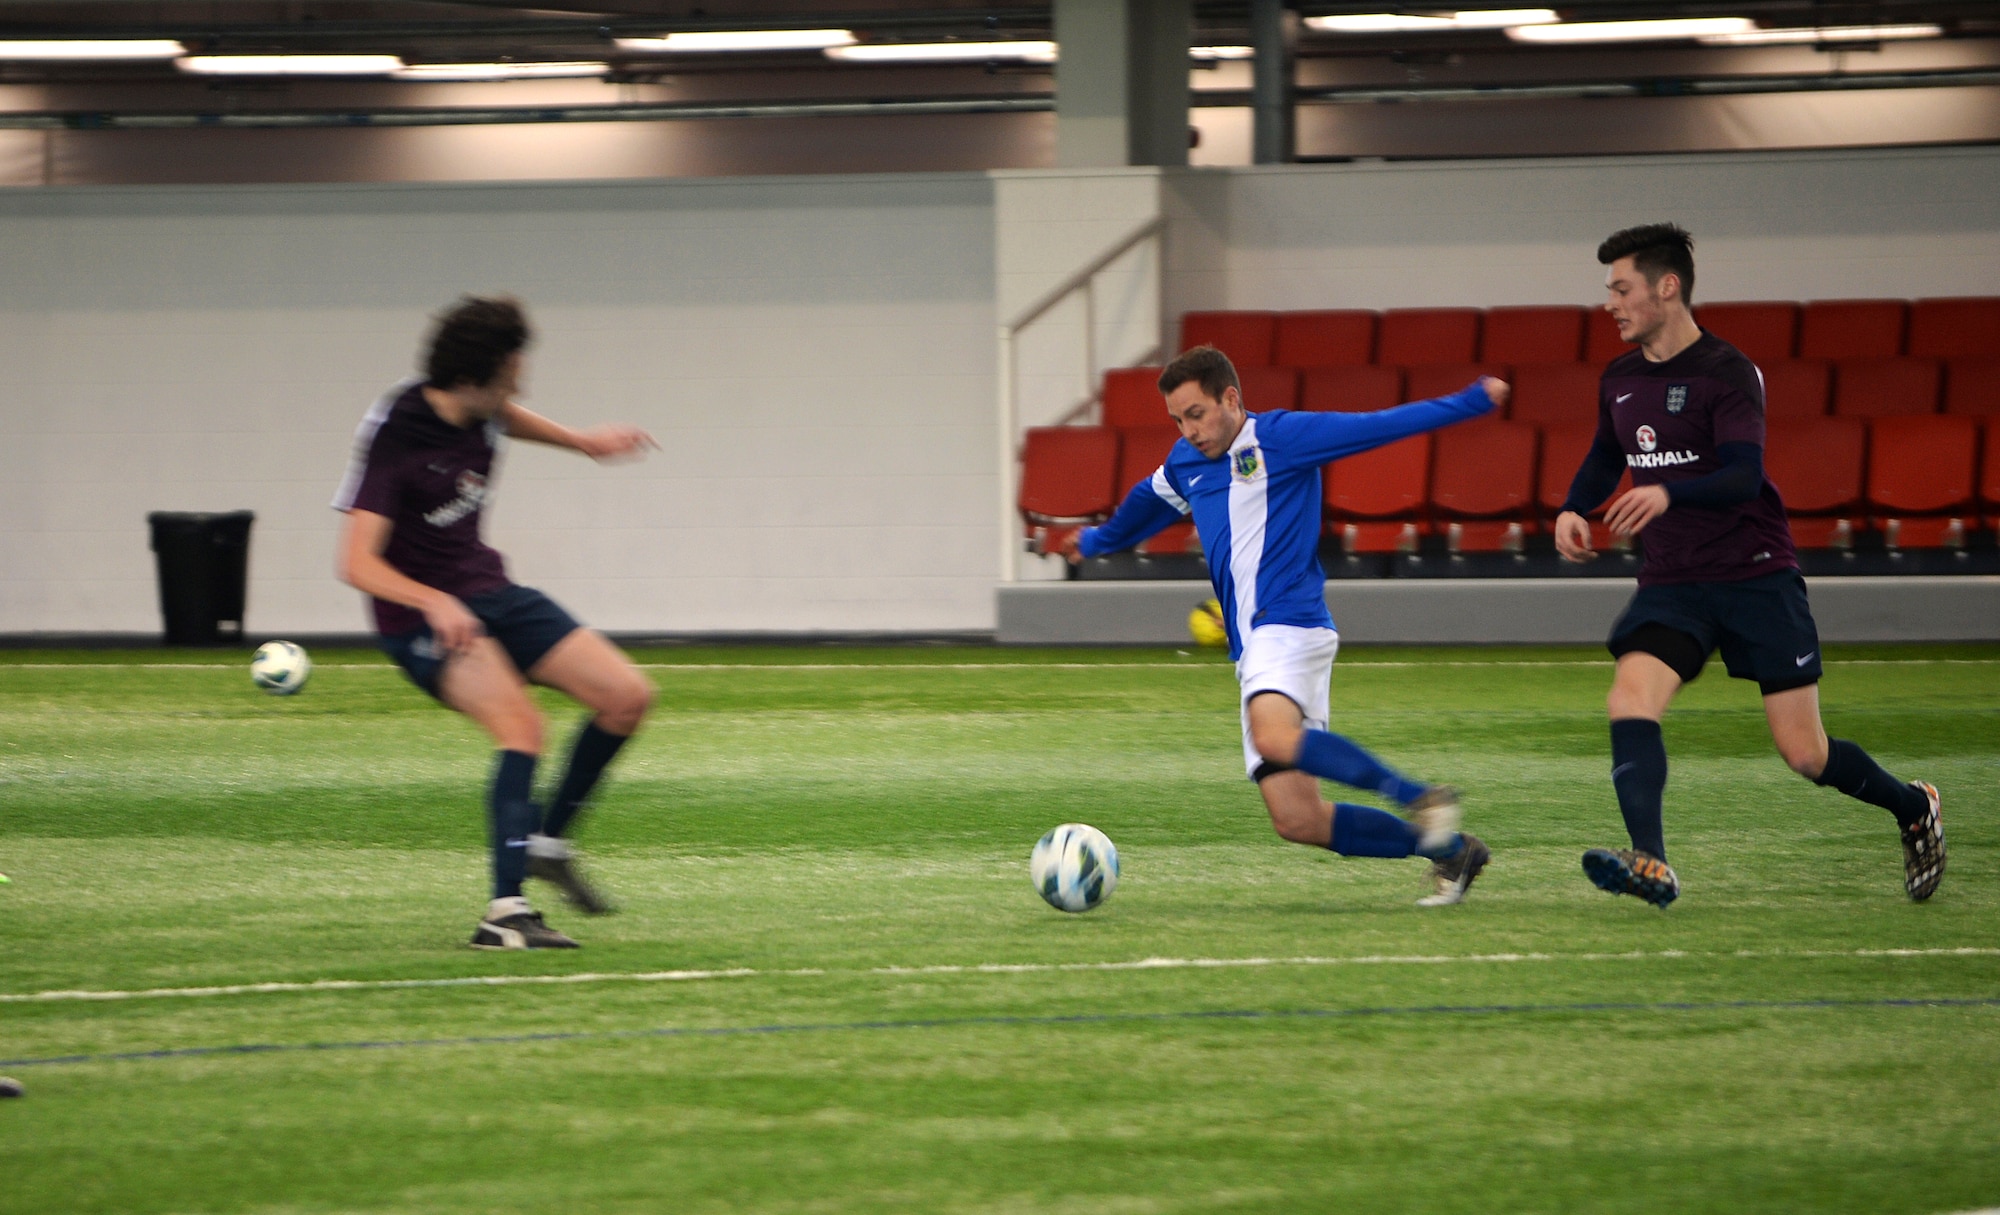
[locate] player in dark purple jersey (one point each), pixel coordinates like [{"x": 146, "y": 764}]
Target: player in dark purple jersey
[
  {"x": 450, "y": 617},
  {"x": 1684, "y": 411}
]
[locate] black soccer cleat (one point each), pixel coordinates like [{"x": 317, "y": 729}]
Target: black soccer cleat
[
  {"x": 1923, "y": 848},
  {"x": 1631, "y": 872},
  {"x": 561, "y": 871},
  {"x": 1454, "y": 875},
  {"x": 522, "y": 930}
]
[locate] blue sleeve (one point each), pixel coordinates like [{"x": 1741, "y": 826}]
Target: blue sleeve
[
  {"x": 1143, "y": 514},
  {"x": 1740, "y": 479},
  {"x": 1316, "y": 438}
]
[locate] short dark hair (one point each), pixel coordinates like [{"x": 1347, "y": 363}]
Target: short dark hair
[
  {"x": 1655, "y": 249},
  {"x": 1205, "y": 365},
  {"x": 470, "y": 339}
]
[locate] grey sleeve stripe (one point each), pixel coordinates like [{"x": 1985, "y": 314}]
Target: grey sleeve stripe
[{"x": 364, "y": 438}]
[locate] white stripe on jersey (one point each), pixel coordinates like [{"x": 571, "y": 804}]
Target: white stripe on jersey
[
  {"x": 1165, "y": 489},
  {"x": 1249, "y": 509},
  {"x": 364, "y": 438}
]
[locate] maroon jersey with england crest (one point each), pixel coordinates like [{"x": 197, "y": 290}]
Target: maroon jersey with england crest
[
  {"x": 429, "y": 478},
  {"x": 1669, "y": 418}
]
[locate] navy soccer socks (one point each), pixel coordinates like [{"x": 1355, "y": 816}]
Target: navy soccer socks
[
  {"x": 1639, "y": 774},
  {"x": 1366, "y": 831},
  {"x": 594, "y": 749},
  {"x": 514, "y": 816},
  {"x": 1330, "y": 757},
  {"x": 1852, "y": 771}
]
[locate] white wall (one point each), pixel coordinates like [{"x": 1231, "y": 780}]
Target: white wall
[
  {"x": 816, "y": 355},
  {"x": 1791, "y": 225}
]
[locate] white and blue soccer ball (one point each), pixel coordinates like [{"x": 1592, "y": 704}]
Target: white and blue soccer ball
[
  {"x": 1074, "y": 867},
  {"x": 280, "y": 667}
]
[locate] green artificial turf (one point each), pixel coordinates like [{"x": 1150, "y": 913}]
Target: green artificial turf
[{"x": 831, "y": 988}]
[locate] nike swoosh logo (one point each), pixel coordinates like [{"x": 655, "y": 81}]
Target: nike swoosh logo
[
  {"x": 1622, "y": 768},
  {"x": 1623, "y": 399},
  {"x": 1194, "y": 480},
  {"x": 1802, "y": 660}
]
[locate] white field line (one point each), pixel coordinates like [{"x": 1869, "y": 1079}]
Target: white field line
[
  {"x": 985, "y": 968},
  {"x": 971, "y": 666}
]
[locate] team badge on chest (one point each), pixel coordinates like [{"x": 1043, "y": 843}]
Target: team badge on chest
[
  {"x": 1647, "y": 439},
  {"x": 1246, "y": 464},
  {"x": 1677, "y": 397}
]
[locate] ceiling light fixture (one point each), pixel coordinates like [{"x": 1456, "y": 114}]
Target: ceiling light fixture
[
  {"x": 1207, "y": 53},
  {"x": 1404, "y": 23},
  {"x": 1826, "y": 33},
  {"x": 122, "y": 48},
  {"x": 1632, "y": 31},
  {"x": 500, "y": 71},
  {"x": 740, "y": 40},
  {"x": 289, "y": 65},
  {"x": 944, "y": 52}
]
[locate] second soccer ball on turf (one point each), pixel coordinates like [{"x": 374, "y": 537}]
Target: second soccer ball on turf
[
  {"x": 1205, "y": 625},
  {"x": 280, "y": 667},
  {"x": 1074, "y": 867}
]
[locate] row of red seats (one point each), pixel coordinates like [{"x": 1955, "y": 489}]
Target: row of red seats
[
  {"x": 1557, "y": 393},
  {"x": 1768, "y": 332},
  {"x": 1923, "y": 482}
]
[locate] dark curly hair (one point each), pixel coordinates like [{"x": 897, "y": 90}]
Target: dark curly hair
[
  {"x": 1205, "y": 365},
  {"x": 1655, "y": 249},
  {"x": 470, "y": 339}
]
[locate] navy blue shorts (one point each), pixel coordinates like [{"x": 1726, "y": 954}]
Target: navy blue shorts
[
  {"x": 525, "y": 622},
  {"x": 1762, "y": 625}
]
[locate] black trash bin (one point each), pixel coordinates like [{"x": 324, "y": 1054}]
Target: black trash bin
[{"x": 203, "y": 559}]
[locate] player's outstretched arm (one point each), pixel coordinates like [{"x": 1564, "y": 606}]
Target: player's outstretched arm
[
  {"x": 1316, "y": 438},
  {"x": 598, "y": 442},
  {"x": 362, "y": 541},
  {"x": 1144, "y": 513}
]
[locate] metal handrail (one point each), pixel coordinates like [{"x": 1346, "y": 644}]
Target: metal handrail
[{"x": 1082, "y": 279}]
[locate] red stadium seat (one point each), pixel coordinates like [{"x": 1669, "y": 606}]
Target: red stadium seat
[
  {"x": 1989, "y": 475},
  {"x": 1483, "y": 484},
  {"x": 1442, "y": 379},
  {"x": 1132, "y": 398},
  {"x": 1796, "y": 388},
  {"x": 1427, "y": 335},
  {"x": 1967, "y": 327},
  {"x": 1373, "y": 498},
  {"x": 1880, "y": 388},
  {"x": 1852, "y": 329},
  {"x": 1532, "y": 335},
  {"x": 1268, "y": 387},
  {"x": 1244, "y": 336},
  {"x": 1563, "y": 450},
  {"x": 1324, "y": 339},
  {"x": 1816, "y": 464},
  {"x": 1972, "y": 386},
  {"x": 1174, "y": 538},
  {"x": 1350, "y": 389},
  {"x": 1069, "y": 473},
  {"x": 1764, "y": 331},
  {"x": 1920, "y": 479},
  {"x": 1555, "y": 394},
  {"x": 1142, "y": 450},
  {"x": 1601, "y": 342}
]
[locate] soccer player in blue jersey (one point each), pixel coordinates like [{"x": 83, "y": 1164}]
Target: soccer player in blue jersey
[
  {"x": 1252, "y": 483},
  {"x": 1684, "y": 411},
  {"x": 450, "y": 617}
]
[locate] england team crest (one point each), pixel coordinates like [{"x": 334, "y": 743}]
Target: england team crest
[
  {"x": 1247, "y": 464},
  {"x": 1677, "y": 397}
]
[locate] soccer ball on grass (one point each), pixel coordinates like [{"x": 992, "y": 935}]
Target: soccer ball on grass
[
  {"x": 1074, "y": 867},
  {"x": 280, "y": 667}
]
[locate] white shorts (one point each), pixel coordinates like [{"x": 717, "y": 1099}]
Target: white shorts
[{"x": 1289, "y": 659}]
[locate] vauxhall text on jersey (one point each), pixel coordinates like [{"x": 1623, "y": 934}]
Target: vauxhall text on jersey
[
  {"x": 1669, "y": 418},
  {"x": 1257, "y": 506},
  {"x": 430, "y": 479}
]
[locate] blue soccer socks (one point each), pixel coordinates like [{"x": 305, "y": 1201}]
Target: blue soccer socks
[
  {"x": 1329, "y": 756},
  {"x": 514, "y": 817},
  {"x": 595, "y": 748},
  {"x": 1855, "y": 773},
  {"x": 1366, "y": 831},
  {"x": 1639, "y": 774}
]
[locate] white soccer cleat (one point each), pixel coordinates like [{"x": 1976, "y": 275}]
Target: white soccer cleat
[{"x": 1437, "y": 815}]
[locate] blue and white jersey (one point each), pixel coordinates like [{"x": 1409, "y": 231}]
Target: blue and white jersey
[{"x": 1257, "y": 506}]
